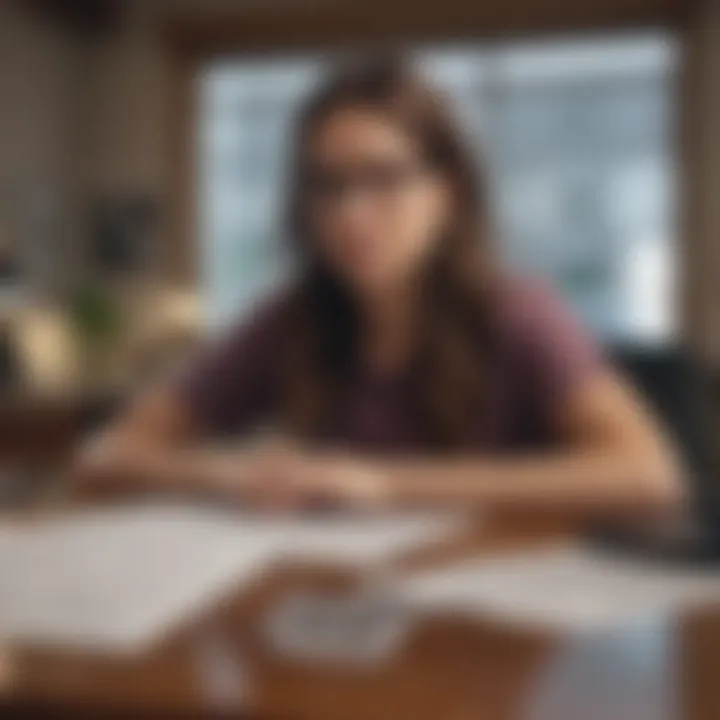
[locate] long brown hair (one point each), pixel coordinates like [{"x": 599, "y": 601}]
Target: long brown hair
[{"x": 445, "y": 378}]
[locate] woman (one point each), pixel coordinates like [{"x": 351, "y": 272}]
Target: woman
[{"x": 403, "y": 367}]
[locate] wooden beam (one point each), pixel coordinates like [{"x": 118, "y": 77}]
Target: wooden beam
[
  {"x": 341, "y": 24},
  {"x": 84, "y": 16},
  {"x": 699, "y": 179}
]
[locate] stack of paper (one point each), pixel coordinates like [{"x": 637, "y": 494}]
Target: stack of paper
[
  {"x": 356, "y": 540},
  {"x": 562, "y": 588},
  {"x": 118, "y": 579}
]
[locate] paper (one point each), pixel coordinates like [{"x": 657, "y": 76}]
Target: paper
[
  {"x": 117, "y": 580},
  {"x": 564, "y": 588},
  {"x": 358, "y": 539}
]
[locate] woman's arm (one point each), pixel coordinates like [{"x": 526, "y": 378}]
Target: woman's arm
[
  {"x": 155, "y": 444},
  {"x": 612, "y": 456},
  {"x": 609, "y": 453},
  {"x": 145, "y": 448},
  {"x": 154, "y": 447}
]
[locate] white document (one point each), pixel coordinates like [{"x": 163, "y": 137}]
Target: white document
[
  {"x": 564, "y": 588},
  {"x": 117, "y": 580},
  {"x": 356, "y": 539}
]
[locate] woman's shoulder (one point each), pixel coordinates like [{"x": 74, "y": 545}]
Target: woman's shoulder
[
  {"x": 542, "y": 335},
  {"x": 531, "y": 314},
  {"x": 521, "y": 301}
]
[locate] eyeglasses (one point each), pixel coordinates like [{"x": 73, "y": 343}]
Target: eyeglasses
[{"x": 377, "y": 181}]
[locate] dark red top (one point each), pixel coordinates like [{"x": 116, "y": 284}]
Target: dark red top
[{"x": 540, "y": 355}]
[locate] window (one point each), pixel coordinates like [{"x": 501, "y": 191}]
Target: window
[{"x": 577, "y": 139}]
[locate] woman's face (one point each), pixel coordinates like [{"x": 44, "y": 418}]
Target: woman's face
[{"x": 376, "y": 208}]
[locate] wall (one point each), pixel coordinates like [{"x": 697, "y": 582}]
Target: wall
[
  {"x": 40, "y": 116},
  {"x": 127, "y": 85},
  {"x": 132, "y": 85},
  {"x": 701, "y": 256},
  {"x": 80, "y": 117},
  {"x": 41, "y": 126}
]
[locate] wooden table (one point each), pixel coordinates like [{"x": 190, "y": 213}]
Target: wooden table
[
  {"x": 449, "y": 669},
  {"x": 43, "y": 431}
]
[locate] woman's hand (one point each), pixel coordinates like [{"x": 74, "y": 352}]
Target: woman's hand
[
  {"x": 256, "y": 475},
  {"x": 336, "y": 479},
  {"x": 278, "y": 475}
]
